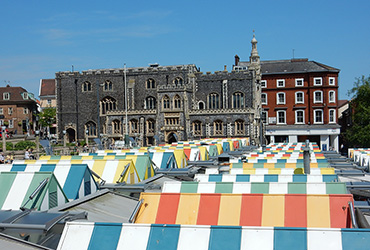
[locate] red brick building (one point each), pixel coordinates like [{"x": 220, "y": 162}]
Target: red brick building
[
  {"x": 17, "y": 107},
  {"x": 299, "y": 101}
]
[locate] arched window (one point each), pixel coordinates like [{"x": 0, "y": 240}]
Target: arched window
[
  {"x": 150, "y": 103},
  {"x": 177, "y": 102},
  {"x": 264, "y": 98},
  {"x": 134, "y": 126},
  {"x": 317, "y": 97},
  {"x": 218, "y": 128},
  {"x": 116, "y": 125},
  {"x": 86, "y": 87},
  {"x": 166, "y": 102},
  {"x": 150, "y": 84},
  {"x": 150, "y": 126},
  {"x": 239, "y": 127},
  {"x": 238, "y": 100},
  {"x": 332, "y": 118},
  {"x": 299, "y": 116},
  {"x": 90, "y": 127},
  {"x": 331, "y": 96},
  {"x": 107, "y": 104},
  {"x": 178, "y": 81},
  {"x": 108, "y": 86},
  {"x": 197, "y": 128},
  {"x": 201, "y": 105},
  {"x": 299, "y": 97},
  {"x": 214, "y": 101}
]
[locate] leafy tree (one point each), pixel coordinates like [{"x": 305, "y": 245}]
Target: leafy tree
[
  {"x": 358, "y": 134},
  {"x": 47, "y": 117}
]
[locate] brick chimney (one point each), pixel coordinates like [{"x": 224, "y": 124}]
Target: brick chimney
[{"x": 237, "y": 59}]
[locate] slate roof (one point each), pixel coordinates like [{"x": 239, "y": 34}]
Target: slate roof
[
  {"x": 292, "y": 66},
  {"x": 47, "y": 87},
  {"x": 15, "y": 93}
]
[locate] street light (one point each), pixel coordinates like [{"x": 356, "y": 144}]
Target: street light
[
  {"x": 87, "y": 139},
  {"x": 3, "y": 128},
  {"x": 64, "y": 140},
  {"x": 37, "y": 135}
]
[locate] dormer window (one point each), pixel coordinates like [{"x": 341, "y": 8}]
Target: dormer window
[
  {"x": 6, "y": 96},
  {"x": 25, "y": 95}
]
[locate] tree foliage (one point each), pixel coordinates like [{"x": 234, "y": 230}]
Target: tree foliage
[
  {"x": 47, "y": 117},
  {"x": 358, "y": 135}
]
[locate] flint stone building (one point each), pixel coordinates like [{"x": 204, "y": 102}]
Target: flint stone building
[{"x": 164, "y": 103}]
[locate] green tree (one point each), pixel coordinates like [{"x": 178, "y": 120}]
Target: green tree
[
  {"x": 358, "y": 134},
  {"x": 47, "y": 117}
]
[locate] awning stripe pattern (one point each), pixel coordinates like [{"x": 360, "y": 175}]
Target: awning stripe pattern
[
  {"x": 79, "y": 235},
  {"x": 265, "y": 178},
  {"x": 278, "y": 210},
  {"x": 16, "y": 188},
  {"x": 76, "y": 179},
  {"x": 255, "y": 187}
]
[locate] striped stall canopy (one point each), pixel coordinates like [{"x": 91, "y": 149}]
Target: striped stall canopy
[
  {"x": 255, "y": 187},
  {"x": 16, "y": 188},
  {"x": 111, "y": 236},
  {"x": 112, "y": 171},
  {"x": 278, "y": 165},
  {"x": 314, "y": 171},
  {"x": 76, "y": 179},
  {"x": 273, "y": 210},
  {"x": 163, "y": 160},
  {"x": 265, "y": 178}
]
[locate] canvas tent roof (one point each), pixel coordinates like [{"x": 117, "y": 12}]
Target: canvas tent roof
[
  {"x": 76, "y": 179},
  {"x": 78, "y": 235},
  {"x": 16, "y": 188}
]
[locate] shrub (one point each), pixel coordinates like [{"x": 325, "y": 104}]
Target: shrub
[
  {"x": 9, "y": 146},
  {"x": 22, "y": 145}
]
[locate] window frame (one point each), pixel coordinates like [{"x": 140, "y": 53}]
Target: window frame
[
  {"x": 277, "y": 117},
  {"x": 299, "y": 79},
  {"x": 296, "y": 97},
  {"x": 218, "y": 128},
  {"x": 315, "y": 116},
  {"x": 214, "y": 101},
  {"x": 265, "y": 102},
  {"x": 329, "y": 97},
  {"x": 334, "y": 116},
  {"x": 314, "y": 96},
  {"x": 166, "y": 102},
  {"x": 332, "y": 78},
  {"x": 263, "y": 84},
  {"x": 277, "y": 98},
  {"x": 317, "y": 78},
  {"x": 278, "y": 81},
  {"x": 238, "y": 101},
  {"x": 296, "y": 116},
  {"x": 6, "y": 96}
]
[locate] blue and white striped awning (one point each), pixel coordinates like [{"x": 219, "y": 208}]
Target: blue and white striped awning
[{"x": 78, "y": 235}]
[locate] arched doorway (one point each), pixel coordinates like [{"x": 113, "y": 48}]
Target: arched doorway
[
  {"x": 71, "y": 135},
  {"x": 172, "y": 137}
]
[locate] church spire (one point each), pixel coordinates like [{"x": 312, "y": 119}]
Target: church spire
[{"x": 254, "y": 58}]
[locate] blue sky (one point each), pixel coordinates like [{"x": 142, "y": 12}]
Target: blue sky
[{"x": 40, "y": 38}]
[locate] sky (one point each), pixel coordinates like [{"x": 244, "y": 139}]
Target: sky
[{"x": 40, "y": 38}]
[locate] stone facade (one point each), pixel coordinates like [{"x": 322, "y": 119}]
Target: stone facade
[{"x": 164, "y": 103}]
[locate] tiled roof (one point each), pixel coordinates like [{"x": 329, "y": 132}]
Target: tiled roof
[
  {"x": 15, "y": 93},
  {"x": 47, "y": 87},
  {"x": 292, "y": 66},
  {"x": 342, "y": 102}
]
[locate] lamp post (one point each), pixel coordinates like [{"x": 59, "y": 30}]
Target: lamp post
[
  {"x": 86, "y": 136},
  {"x": 3, "y": 128},
  {"x": 126, "y": 125},
  {"x": 64, "y": 140},
  {"x": 37, "y": 134}
]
